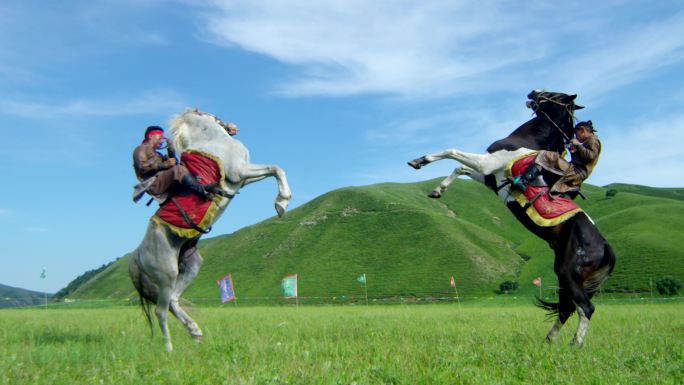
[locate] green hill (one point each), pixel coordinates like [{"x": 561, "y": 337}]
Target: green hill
[
  {"x": 671, "y": 193},
  {"x": 409, "y": 246},
  {"x": 15, "y": 297}
]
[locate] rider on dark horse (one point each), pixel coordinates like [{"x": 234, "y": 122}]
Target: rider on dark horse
[
  {"x": 158, "y": 173},
  {"x": 585, "y": 149}
]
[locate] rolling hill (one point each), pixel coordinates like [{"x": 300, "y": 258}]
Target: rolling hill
[
  {"x": 409, "y": 246},
  {"x": 15, "y": 297}
]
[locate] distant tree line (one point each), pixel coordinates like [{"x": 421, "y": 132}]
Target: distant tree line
[{"x": 81, "y": 279}]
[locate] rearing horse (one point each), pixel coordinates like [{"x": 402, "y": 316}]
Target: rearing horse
[
  {"x": 165, "y": 264},
  {"x": 583, "y": 258}
]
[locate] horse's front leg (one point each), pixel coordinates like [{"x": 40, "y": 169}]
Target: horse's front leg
[
  {"x": 256, "y": 172},
  {"x": 477, "y": 162},
  {"x": 458, "y": 171}
]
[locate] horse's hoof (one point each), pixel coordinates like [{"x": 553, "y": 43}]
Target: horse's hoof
[
  {"x": 416, "y": 163},
  {"x": 280, "y": 210},
  {"x": 197, "y": 338},
  {"x": 435, "y": 195}
]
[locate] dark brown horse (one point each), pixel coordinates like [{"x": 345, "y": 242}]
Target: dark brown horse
[{"x": 583, "y": 258}]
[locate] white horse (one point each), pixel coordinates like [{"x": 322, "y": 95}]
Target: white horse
[{"x": 165, "y": 264}]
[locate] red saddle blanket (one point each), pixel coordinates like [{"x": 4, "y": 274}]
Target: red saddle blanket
[
  {"x": 200, "y": 211},
  {"x": 544, "y": 211}
]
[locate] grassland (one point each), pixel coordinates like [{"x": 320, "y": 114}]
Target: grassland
[{"x": 475, "y": 343}]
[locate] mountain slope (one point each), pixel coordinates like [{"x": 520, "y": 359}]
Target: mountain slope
[
  {"x": 409, "y": 245},
  {"x": 14, "y": 297}
]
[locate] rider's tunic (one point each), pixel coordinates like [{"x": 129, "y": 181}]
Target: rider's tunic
[
  {"x": 583, "y": 161},
  {"x": 148, "y": 163}
]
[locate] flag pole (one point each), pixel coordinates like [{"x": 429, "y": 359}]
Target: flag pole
[
  {"x": 365, "y": 286},
  {"x": 453, "y": 284},
  {"x": 540, "y": 287},
  {"x": 42, "y": 276},
  {"x": 457, "y": 298}
]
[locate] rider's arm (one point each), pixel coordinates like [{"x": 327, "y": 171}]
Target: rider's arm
[
  {"x": 170, "y": 149},
  {"x": 588, "y": 151}
]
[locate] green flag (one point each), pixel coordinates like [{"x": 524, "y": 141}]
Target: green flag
[
  {"x": 42, "y": 274},
  {"x": 289, "y": 286},
  {"x": 362, "y": 278}
]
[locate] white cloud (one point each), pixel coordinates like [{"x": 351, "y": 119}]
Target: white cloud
[
  {"x": 442, "y": 48},
  {"x": 649, "y": 153},
  {"x": 161, "y": 101},
  {"x": 622, "y": 58},
  {"x": 38, "y": 40},
  {"x": 352, "y": 47}
]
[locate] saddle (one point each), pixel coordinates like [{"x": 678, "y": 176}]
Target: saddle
[
  {"x": 187, "y": 214},
  {"x": 539, "y": 206}
]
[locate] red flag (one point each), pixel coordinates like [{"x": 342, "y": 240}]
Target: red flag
[
  {"x": 452, "y": 283},
  {"x": 537, "y": 281}
]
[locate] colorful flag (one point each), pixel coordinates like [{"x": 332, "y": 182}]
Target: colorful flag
[
  {"x": 226, "y": 289},
  {"x": 362, "y": 279},
  {"x": 42, "y": 274},
  {"x": 452, "y": 282},
  {"x": 537, "y": 281},
  {"x": 289, "y": 286}
]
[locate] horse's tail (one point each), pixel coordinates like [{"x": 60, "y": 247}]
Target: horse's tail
[
  {"x": 594, "y": 281},
  {"x": 550, "y": 307},
  {"x": 138, "y": 278}
]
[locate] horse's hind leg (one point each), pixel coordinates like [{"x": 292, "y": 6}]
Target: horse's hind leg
[
  {"x": 162, "y": 312},
  {"x": 584, "y": 309},
  {"x": 582, "y": 326},
  {"x": 190, "y": 263},
  {"x": 159, "y": 261},
  {"x": 565, "y": 310}
]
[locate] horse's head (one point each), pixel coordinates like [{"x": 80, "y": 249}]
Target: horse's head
[{"x": 555, "y": 107}]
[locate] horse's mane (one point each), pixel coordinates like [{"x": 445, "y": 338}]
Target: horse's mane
[{"x": 191, "y": 124}]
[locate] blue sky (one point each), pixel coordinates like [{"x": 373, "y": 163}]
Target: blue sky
[{"x": 337, "y": 93}]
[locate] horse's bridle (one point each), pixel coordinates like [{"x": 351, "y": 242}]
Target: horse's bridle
[{"x": 566, "y": 106}]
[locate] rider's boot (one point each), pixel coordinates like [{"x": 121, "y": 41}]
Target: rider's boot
[
  {"x": 524, "y": 179},
  {"x": 190, "y": 183}
]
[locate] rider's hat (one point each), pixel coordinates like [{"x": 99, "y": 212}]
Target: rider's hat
[{"x": 588, "y": 125}]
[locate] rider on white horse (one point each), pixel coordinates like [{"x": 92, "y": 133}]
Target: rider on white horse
[
  {"x": 158, "y": 173},
  {"x": 166, "y": 262}
]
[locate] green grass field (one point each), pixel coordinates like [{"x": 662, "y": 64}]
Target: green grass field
[{"x": 475, "y": 343}]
